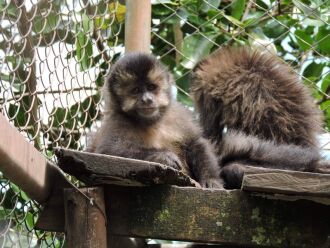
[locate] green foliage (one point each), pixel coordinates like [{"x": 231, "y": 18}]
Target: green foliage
[
  {"x": 238, "y": 8},
  {"x": 84, "y": 47},
  {"x": 298, "y": 30},
  {"x": 63, "y": 124}
]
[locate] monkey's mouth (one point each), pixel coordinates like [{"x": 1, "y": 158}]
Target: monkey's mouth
[{"x": 147, "y": 111}]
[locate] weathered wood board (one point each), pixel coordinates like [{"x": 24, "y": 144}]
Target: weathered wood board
[
  {"x": 227, "y": 217},
  {"x": 85, "y": 223},
  {"x": 217, "y": 216},
  {"x": 26, "y": 166},
  {"x": 286, "y": 182},
  {"x": 193, "y": 214},
  {"x": 95, "y": 169}
]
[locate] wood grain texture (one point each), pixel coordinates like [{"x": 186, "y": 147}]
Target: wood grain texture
[
  {"x": 85, "y": 223},
  {"x": 286, "y": 182},
  {"x": 226, "y": 217},
  {"x": 94, "y": 169},
  {"x": 25, "y": 166},
  {"x": 218, "y": 216}
]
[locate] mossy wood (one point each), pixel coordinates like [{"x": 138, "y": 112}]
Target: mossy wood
[
  {"x": 218, "y": 216},
  {"x": 227, "y": 217},
  {"x": 193, "y": 214}
]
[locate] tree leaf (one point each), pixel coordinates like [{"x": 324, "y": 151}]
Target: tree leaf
[
  {"x": 274, "y": 29},
  {"x": 325, "y": 86},
  {"x": 84, "y": 44},
  {"x": 313, "y": 70},
  {"x": 59, "y": 115},
  {"x": 195, "y": 47},
  {"x": 29, "y": 220},
  {"x": 323, "y": 39},
  {"x": 119, "y": 10},
  {"x": 238, "y": 9},
  {"x": 46, "y": 24},
  {"x": 304, "y": 40}
]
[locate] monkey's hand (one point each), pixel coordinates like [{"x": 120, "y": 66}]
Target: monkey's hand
[
  {"x": 211, "y": 182},
  {"x": 167, "y": 158}
]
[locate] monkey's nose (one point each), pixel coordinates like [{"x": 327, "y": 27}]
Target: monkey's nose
[{"x": 147, "y": 98}]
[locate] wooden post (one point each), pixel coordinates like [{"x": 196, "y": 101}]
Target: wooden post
[
  {"x": 138, "y": 26},
  {"x": 85, "y": 221}
]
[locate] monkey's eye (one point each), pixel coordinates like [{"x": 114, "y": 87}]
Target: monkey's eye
[
  {"x": 151, "y": 87},
  {"x": 136, "y": 90}
]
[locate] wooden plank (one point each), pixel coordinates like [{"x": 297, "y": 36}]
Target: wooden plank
[
  {"x": 218, "y": 216},
  {"x": 85, "y": 221},
  {"x": 94, "y": 169},
  {"x": 138, "y": 26},
  {"x": 25, "y": 166},
  {"x": 286, "y": 182}
]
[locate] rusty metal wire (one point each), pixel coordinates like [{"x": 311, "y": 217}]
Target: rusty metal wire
[{"x": 54, "y": 55}]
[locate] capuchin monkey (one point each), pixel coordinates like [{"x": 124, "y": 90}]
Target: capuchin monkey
[
  {"x": 143, "y": 121},
  {"x": 268, "y": 114}
]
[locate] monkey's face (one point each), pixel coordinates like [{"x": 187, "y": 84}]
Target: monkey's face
[{"x": 141, "y": 87}]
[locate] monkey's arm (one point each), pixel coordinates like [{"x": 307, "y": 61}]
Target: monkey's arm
[
  {"x": 117, "y": 146},
  {"x": 203, "y": 163}
]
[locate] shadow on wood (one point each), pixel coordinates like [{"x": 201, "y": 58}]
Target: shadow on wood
[{"x": 200, "y": 215}]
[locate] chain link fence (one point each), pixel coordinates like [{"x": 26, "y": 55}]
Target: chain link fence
[{"x": 54, "y": 55}]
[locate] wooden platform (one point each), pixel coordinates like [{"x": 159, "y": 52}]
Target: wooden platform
[{"x": 264, "y": 214}]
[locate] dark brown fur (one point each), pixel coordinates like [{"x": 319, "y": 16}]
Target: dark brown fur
[
  {"x": 269, "y": 114},
  {"x": 142, "y": 121}
]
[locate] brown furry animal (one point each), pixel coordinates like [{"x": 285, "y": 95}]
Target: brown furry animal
[
  {"x": 269, "y": 114},
  {"x": 143, "y": 121}
]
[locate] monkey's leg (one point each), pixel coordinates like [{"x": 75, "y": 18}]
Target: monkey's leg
[
  {"x": 232, "y": 174},
  {"x": 322, "y": 166},
  {"x": 204, "y": 164}
]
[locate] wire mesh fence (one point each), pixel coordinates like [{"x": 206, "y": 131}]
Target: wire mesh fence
[{"x": 54, "y": 55}]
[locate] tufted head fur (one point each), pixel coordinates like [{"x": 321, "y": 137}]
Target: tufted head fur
[{"x": 139, "y": 88}]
